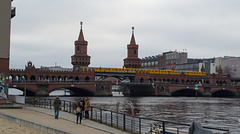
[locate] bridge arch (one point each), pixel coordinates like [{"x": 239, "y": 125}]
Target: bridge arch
[
  {"x": 76, "y": 91},
  {"x": 183, "y": 81},
  {"x": 207, "y": 82},
  {"x": 76, "y": 78},
  {"x": 65, "y": 78},
  {"x": 47, "y": 78},
  {"x": 41, "y": 77},
  {"x": 176, "y": 81},
  {"x": 53, "y": 78},
  {"x": 29, "y": 91},
  {"x": 59, "y": 78},
  {"x": 223, "y": 93},
  {"x": 33, "y": 78},
  {"x": 187, "y": 92},
  {"x": 87, "y": 79}
]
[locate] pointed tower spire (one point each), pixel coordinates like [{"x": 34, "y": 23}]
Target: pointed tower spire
[
  {"x": 81, "y": 37},
  {"x": 133, "y": 38},
  {"x": 80, "y": 57},
  {"x": 202, "y": 69},
  {"x": 132, "y": 60}
]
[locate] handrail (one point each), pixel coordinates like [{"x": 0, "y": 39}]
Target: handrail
[{"x": 120, "y": 120}]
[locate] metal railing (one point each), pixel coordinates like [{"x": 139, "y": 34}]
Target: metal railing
[{"x": 123, "y": 121}]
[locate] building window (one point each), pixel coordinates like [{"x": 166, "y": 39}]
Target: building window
[{"x": 135, "y": 51}]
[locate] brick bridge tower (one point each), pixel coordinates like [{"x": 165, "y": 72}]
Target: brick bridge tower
[
  {"x": 132, "y": 60},
  {"x": 80, "y": 58}
]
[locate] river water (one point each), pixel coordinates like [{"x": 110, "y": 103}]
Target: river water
[{"x": 213, "y": 112}]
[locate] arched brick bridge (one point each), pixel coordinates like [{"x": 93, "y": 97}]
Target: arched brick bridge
[{"x": 82, "y": 82}]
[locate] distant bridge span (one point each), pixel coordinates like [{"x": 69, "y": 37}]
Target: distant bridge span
[
  {"x": 168, "y": 89},
  {"x": 76, "y": 88}
]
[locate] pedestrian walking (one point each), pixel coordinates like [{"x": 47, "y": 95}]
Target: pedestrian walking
[
  {"x": 87, "y": 107},
  {"x": 79, "y": 112},
  {"x": 56, "y": 104}
]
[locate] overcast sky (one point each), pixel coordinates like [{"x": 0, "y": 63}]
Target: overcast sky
[{"x": 44, "y": 31}]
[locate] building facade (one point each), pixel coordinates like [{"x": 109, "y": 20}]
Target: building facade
[
  {"x": 198, "y": 64},
  {"x": 167, "y": 60},
  {"x": 173, "y": 57},
  {"x": 6, "y": 13},
  {"x": 229, "y": 65}
]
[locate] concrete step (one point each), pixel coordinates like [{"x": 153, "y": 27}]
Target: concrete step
[{"x": 9, "y": 105}]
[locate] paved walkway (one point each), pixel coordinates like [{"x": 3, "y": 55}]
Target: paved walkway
[{"x": 66, "y": 121}]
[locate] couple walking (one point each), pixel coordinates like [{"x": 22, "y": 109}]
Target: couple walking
[{"x": 83, "y": 107}]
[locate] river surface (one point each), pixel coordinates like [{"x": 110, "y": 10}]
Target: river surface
[{"x": 213, "y": 112}]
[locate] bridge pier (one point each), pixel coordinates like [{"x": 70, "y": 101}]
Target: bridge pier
[
  {"x": 42, "y": 89},
  {"x": 138, "y": 89},
  {"x": 103, "y": 88}
]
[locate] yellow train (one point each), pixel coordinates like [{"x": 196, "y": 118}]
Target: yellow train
[{"x": 134, "y": 70}]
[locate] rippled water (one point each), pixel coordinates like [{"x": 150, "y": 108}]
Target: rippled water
[{"x": 214, "y": 112}]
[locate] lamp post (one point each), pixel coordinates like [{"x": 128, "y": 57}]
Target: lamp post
[
  {"x": 196, "y": 88},
  {"x": 25, "y": 89}
]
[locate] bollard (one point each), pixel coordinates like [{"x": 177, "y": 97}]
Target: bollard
[
  {"x": 111, "y": 119},
  {"x": 91, "y": 112},
  {"x": 163, "y": 126},
  {"x": 101, "y": 115},
  {"x": 64, "y": 105},
  {"x": 139, "y": 125},
  {"x": 50, "y": 104},
  {"x": 106, "y": 118},
  {"x": 124, "y": 122}
]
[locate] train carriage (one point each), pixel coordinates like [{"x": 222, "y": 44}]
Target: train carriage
[{"x": 150, "y": 71}]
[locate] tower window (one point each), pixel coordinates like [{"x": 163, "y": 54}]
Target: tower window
[
  {"x": 135, "y": 51},
  {"x": 78, "y": 48}
]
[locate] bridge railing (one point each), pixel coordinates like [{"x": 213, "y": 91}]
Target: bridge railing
[
  {"x": 120, "y": 83},
  {"x": 123, "y": 121},
  {"x": 49, "y": 81}
]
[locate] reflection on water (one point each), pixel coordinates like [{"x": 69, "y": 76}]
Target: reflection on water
[{"x": 214, "y": 112}]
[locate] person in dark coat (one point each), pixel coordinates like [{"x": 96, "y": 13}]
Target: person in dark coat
[
  {"x": 79, "y": 111},
  {"x": 56, "y": 104},
  {"x": 83, "y": 104}
]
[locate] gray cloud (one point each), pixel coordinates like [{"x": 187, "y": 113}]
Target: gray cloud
[{"x": 44, "y": 31}]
